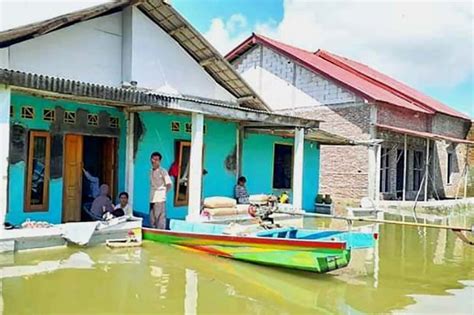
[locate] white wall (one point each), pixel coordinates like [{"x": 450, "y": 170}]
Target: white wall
[
  {"x": 159, "y": 62},
  {"x": 4, "y": 58},
  {"x": 124, "y": 46},
  {"x": 90, "y": 51},
  {"x": 285, "y": 85}
]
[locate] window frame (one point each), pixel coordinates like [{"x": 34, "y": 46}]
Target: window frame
[
  {"x": 180, "y": 144},
  {"x": 29, "y": 169},
  {"x": 292, "y": 164}
]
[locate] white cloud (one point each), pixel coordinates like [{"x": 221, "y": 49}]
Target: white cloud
[
  {"x": 420, "y": 43},
  {"x": 226, "y": 35},
  {"x": 236, "y": 22}
]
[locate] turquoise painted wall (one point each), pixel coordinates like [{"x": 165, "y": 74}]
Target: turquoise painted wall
[
  {"x": 310, "y": 175},
  {"x": 257, "y": 166},
  {"x": 17, "y": 172},
  {"x": 219, "y": 142}
]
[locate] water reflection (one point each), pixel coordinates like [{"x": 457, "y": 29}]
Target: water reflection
[
  {"x": 79, "y": 260},
  {"x": 407, "y": 272}
]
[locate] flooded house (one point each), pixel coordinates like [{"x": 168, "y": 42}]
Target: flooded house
[
  {"x": 416, "y": 147},
  {"x": 93, "y": 93}
]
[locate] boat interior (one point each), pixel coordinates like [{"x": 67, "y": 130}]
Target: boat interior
[{"x": 353, "y": 239}]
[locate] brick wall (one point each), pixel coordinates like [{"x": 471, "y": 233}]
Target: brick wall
[
  {"x": 403, "y": 118},
  {"x": 456, "y": 184},
  {"x": 321, "y": 89},
  {"x": 290, "y": 88},
  {"x": 450, "y": 126},
  {"x": 250, "y": 60},
  {"x": 470, "y": 136},
  {"x": 284, "y": 84},
  {"x": 344, "y": 169}
]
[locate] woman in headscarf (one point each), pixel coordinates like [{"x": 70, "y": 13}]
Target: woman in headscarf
[{"x": 102, "y": 203}]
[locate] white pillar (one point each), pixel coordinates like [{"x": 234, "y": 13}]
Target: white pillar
[
  {"x": 298, "y": 160},
  {"x": 195, "y": 167},
  {"x": 373, "y": 163},
  {"x": 129, "y": 167},
  {"x": 5, "y": 97},
  {"x": 426, "y": 167},
  {"x": 404, "y": 167}
]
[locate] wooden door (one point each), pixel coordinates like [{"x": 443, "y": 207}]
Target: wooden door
[
  {"x": 109, "y": 164},
  {"x": 73, "y": 153}
]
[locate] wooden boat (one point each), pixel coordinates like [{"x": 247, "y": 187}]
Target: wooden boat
[{"x": 310, "y": 250}]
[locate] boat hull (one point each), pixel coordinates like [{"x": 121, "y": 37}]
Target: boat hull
[{"x": 315, "y": 256}]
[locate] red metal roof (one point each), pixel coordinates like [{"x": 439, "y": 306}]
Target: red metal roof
[
  {"x": 355, "y": 76},
  {"x": 423, "y": 134}
]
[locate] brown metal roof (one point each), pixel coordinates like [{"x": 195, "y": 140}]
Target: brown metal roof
[{"x": 165, "y": 16}]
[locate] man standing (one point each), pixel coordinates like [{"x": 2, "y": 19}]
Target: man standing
[{"x": 160, "y": 184}]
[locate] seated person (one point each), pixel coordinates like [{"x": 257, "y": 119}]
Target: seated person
[
  {"x": 102, "y": 204},
  {"x": 123, "y": 205},
  {"x": 240, "y": 191}
]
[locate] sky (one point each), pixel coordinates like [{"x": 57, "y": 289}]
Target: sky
[{"x": 428, "y": 45}]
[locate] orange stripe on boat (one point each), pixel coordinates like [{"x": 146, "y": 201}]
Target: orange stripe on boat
[
  {"x": 252, "y": 240},
  {"x": 210, "y": 250}
]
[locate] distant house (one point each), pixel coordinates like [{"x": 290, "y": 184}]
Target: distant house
[
  {"x": 423, "y": 142},
  {"x": 104, "y": 87}
]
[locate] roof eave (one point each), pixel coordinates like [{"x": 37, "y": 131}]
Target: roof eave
[{"x": 128, "y": 98}]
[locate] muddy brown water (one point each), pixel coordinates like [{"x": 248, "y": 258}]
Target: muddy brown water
[{"x": 410, "y": 271}]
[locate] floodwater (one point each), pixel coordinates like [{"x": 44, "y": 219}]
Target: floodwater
[{"x": 411, "y": 271}]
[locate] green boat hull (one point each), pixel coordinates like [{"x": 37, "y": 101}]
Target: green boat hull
[{"x": 314, "y": 256}]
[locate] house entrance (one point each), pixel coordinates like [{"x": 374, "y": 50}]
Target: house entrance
[{"x": 89, "y": 161}]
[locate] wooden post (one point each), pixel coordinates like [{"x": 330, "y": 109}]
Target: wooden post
[
  {"x": 378, "y": 152},
  {"x": 5, "y": 98},
  {"x": 129, "y": 167},
  {"x": 195, "y": 167},
  {"x": 404, "y": 167},
  {"x": 466, "y": 177},
  {"x": 298, "y": 160},
  {"x": 426, "y": 167},
  {"x": 239, "y": 150}
]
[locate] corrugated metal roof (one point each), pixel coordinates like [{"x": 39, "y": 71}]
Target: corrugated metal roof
[
  {"x": 391, "y": 84},
  {"x": 165, "y": 16},
  {"x": 355, "y": 76},
  {"x": 129, "y": 97}
]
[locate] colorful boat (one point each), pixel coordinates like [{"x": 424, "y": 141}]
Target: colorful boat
[{"x": 310, "y": 250}]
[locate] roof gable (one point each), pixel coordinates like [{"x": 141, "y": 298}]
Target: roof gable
[
  {"x": 168, "y": 19},
  {"x": 355, "y": 76}
]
